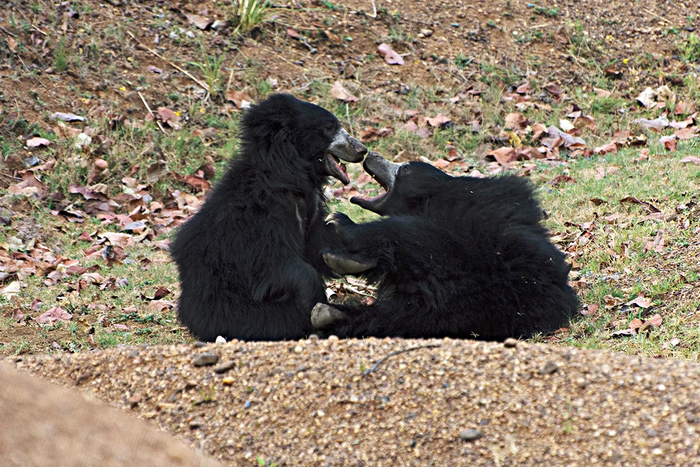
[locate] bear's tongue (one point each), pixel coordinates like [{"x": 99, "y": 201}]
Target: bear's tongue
[
  {"x": 337, "y": 169},
  {"x": 370, "y": 201}
]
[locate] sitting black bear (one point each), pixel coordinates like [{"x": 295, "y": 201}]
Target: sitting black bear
[
  {"x": 250, "y": 260},
  {"x": 459, "y": 257}
]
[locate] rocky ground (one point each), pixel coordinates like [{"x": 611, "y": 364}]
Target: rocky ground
[{"x": 439, "y": 402}]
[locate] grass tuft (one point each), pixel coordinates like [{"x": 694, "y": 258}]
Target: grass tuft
[{"x": 249, "y": 13}]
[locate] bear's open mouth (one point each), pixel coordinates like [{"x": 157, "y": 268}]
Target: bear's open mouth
[
  {"x": 374, "y": 199},
  {"x": 337, "y": 169},
  {"x": 384, "y": 173}
]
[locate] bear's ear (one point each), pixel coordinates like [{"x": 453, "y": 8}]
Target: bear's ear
[
  {"x": 273, "y": 115},
  {"x": 264, "y": 120}
]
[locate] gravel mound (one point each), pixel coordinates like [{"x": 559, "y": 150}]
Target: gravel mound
[{"x": 400, "y": 402}]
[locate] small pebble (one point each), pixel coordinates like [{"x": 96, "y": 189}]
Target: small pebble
[
  {"x": 199, "y": 344},
  {"x": 510, "y": 343},
  {"x": 194, "y": 424},
  {"x": 298, "y": 349},
  {"x": 691, "y": 417},
  {"x": 205, "y": 359},
  {"x": 470, "y": 435},
  {"x": 220, "y": 340},
  {"x": 134, "y": 401},
  {"x": 549, "y": 368},
  {"x": 224, "y": 367}
]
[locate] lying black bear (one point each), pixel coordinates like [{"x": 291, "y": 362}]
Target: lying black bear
[
  {"x": 456, "y": 256},
  {"x": 249, "y": 261}
]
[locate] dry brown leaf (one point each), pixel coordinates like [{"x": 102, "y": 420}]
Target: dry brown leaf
[
  {"x": 156, "y": 171},
  {"x": 516, "y": 121},
  {"x": 640, "y": 301},
  {"x": 647, "y": 98},
  {"x": 655, "y": 320},
  {"x": 612, "y": 302},
  {"x": 692, "y": 159},
  {"x": 590, "y": 310},
  {"x": 119, "y": 239},
  {"x": 684, "y": 108},
  {"x": 390, "y": 56},
  {"x": 602, "y": 92},
  {"x": 557, "y": 138},
  {"x": 200, "y": 21},
  {"x": 11, "y": 290},
  {"x": 633, "y": 200},
  {"x": 240, "y": 99},
  {"x": 608, "y": 148},
  {"x": 53, "y": 316},
  {"x": 36, "y": 142},
  {"x": 657, "y": 124},
  {"x": 373, "y": 134},
  {"x": 669, "y": 142},
  {"x": 585, "y": 121},
  {"x": 438, "y": 120},
  {"x": 687, "y": 133},
  {"x": 555, "y": 90},
  {"x": 169, "y": 117},
  {"x": 537, "y": 130},
  {"x": 657, "y": 243},
  {"x": 504, "y": 156},
  {"x": 339, "y": 92},
  {"x": 636, "y": 324}
]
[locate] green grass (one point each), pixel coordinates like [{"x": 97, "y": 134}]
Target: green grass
[
  {"x": 248, "y": 14},
  {"x": 690, "y": 48},
  {"x": 61, "y": 59},
  {"x": 210, "y": 66}
]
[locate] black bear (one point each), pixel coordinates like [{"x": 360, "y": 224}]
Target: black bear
[
  {"x": 250, "y": 260},
  {"x": 456, "y": 257}
]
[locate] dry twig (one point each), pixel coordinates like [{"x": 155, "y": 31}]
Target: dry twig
[
  {"x": 170, "y": 63},
  {"x": 392, "y": 354},
  {"x": 160, "y": 125}
]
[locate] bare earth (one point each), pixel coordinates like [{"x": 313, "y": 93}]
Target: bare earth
[
  {"x": 308, "y": 403},
  {"x": 44, "y": 424}
]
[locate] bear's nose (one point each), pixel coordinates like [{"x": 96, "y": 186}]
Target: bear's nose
[{"x": 358, "y": 147}]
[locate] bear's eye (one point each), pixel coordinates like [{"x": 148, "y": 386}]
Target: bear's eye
[{"x": 404, "y": 170}]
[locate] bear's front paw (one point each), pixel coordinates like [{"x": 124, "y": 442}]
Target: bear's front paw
[
  {"x": 323, "y": 316},
  {"x": 339, "y": 220}
]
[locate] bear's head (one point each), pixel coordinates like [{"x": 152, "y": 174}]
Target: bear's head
[
  {"x": 408, "y": 186},
  {"x": 294, "y": 135}
]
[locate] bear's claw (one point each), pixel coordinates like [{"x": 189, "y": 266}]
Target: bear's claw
[{"x": 324, "y": 315}]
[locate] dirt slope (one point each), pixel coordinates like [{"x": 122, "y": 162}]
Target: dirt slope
[
  {"x": 308, "y": 403},
  {"x": 43, "y": 424}
]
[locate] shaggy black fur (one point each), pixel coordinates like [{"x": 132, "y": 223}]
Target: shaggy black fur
[
  {"x": 457, "y": 256},
  {"x": 249, "y": 261}
]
